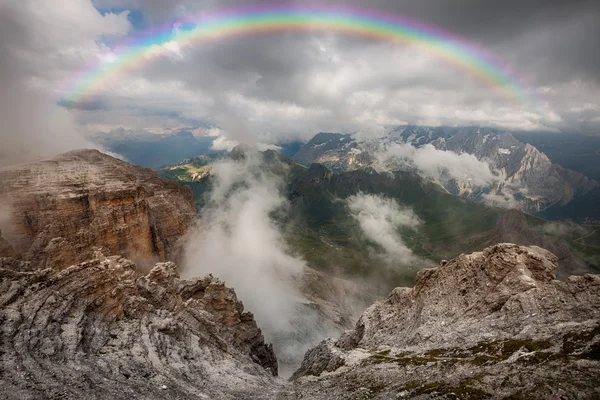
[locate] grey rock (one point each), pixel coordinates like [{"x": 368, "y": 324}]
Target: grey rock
[
  {"x": 526, "y": 176},
  {"x": 6, "y": 249},
  {"x": 492, "y": 324},
  {"x": 100, "y": 330}
]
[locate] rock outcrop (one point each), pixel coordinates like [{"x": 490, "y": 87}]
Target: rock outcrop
[
  {"x": 492, "y": 324},
  {"x": 100, "y": 330},
  {"x": 64, "y": 207}
]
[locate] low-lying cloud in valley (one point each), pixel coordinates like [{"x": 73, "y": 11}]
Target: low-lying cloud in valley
[
  {"x": 379, "y": 219},
  {"x": 238, "y": 240}
]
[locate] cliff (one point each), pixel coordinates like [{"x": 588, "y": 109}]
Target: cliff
[
  {"x": 492, "y": 324},
  {"x": 99, "y": 330},
  {"x": 62, "y": 208}
]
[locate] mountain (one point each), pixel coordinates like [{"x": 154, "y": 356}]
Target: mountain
[
  {"x": 574, "y": 258},
  {"x": 80, "y": 320},
  {"x": 321, "y": 229},
  {"x": 580, "y": 153},
  {"x": 525, "y": 177},
  {"x": 449, "y": 225},
  {"x": 61, "y": 209},
  {"x": 334, "y": 150},
  {"x": 100, "y": 329},
  {"x": 492, "y": 324}
]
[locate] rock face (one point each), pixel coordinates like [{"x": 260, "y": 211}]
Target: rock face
[
  {"x": 521, "y": 165},
  {"x": 63, "y": 207},
  {"x": 526, "y": 177},
  {"x": 492, "y": 324},
  {"x": 99, "y": 330}
]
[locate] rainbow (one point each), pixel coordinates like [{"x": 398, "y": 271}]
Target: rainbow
[{"x": 266, "y": 18}]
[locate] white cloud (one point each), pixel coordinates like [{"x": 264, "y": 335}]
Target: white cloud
[
  {"x": 500, "y": 200},
  {"x": 379, "y": 218},
  {"x": 221, "y": 143},
  {"x": 37, "y": 36},
  {"x": 436, "y": 164},
  {"x": 238, "y": 241}
]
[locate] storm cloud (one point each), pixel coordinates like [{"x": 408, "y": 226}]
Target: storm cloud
[{"x": 276, "y": 87}]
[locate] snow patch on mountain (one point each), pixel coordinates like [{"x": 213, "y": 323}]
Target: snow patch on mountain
[{"x": 487, "y": 165}]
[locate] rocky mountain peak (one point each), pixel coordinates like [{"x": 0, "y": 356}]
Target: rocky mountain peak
[
  {"x": 320, "y": 172},
  {"x": 468, "y": 327},
  {"x": 512, "y": 227},
  {"x": 100, "y": 327},
  {"x": 472, "y": 286}
]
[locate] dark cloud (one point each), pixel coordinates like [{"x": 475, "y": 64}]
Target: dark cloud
[{"x": 290, "y": 85}]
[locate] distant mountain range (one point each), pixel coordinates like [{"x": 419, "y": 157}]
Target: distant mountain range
[
  {"x": 486, "y": 165},
  {"x": 320, "y": 226},
  {"x": 580, "y": 153},
  {"x": 509, "y": 173}
]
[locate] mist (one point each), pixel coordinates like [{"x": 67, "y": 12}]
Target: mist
[
  {"x": 436, "y": 164},
  {"x": 33, "y": 125},
  {"x": 238, "y": 240},
  {"x": 379, "y": 218}
]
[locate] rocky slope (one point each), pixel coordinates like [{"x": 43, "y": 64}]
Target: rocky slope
[
  {"x": 526, "y": 178},
  {"x": 492, "y": 324},
  {"x": 61, "y": 208},
  {"x": 100, "y": 330},
  {"x": 521, "y": 165}
]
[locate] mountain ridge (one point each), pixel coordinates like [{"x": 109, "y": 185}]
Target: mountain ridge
[
  {"x": 494, "y": 323},
  {"x": 525, "y": 176}
]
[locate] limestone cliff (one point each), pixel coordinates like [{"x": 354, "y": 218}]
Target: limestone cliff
[
  {"x": 492, "y": 324},
  {"x": 100, "y": 330},
  {"x": 63, "y": 207}
]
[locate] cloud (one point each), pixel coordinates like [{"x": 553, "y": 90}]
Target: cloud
[
  {"x": 221, "y": 143},
  {"x": 439, "y": 165},
  {"x": 274, "y": 88},
  {"x": 500, "y": 200},
  {"x": 238, "y": 240},
  {"x": 380, "y": 218},
  {"x": 33, "y": 125},
  {"x": 289, "y": 86}
]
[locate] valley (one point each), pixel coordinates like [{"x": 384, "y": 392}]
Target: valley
[
  {"x": 299, "y": 200},
  {"x": 150, "y": 327},
  {"x": 321, "y": 229}
]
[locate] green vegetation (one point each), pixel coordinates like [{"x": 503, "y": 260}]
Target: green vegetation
[
  {"x": 322, "y": 230},
  {"x": 319, "y": 228},
  {"x": 481, "y": 354},
  {"x": 185, "y": 173}
]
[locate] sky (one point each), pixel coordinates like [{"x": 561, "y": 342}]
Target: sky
[{"x": 289, "y": 86}]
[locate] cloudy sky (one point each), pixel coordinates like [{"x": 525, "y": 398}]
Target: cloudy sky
[{"x": 291, "y": 85}]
